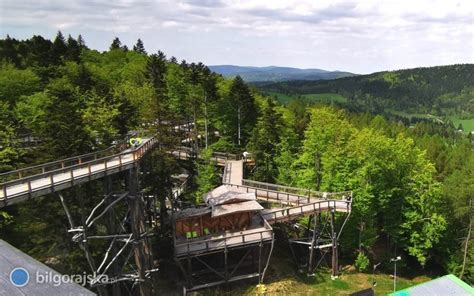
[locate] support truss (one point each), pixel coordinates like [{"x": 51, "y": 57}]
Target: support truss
[{"x": 127, "y": 235}]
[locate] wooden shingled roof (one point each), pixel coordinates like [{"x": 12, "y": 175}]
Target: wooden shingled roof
[
  {"x": 225, "y": 195},
  {"x": 236, "y": 207}
]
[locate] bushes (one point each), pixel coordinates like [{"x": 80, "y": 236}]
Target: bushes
[{"x": 362, "y": 262}]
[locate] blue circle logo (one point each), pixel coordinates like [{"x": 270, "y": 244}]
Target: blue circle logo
[{"x": 19, "y": 277}]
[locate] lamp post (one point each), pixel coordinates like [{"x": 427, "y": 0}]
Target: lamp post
[
  {"x": 374, "y": 283},
  {"x": 398, "y": 258}
]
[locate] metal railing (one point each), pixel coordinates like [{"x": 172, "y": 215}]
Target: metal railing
[
  {"x": 273, "y": 195},
  {"x": 298, "y": 191},
  {"x": 286, "y": 197},
  {"x": 210, "y": 244},
  {"x": 226, "y": 173},
  {"x": 182, "y": 187},
  {"x": 301, "y": 210},
  {"x": 91, "y": 162},
  {"x": 187, "y": 153}
]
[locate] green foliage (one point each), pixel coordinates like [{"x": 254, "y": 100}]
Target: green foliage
[
  {"x": 30, "y": 110},
  {"x": 264, "y": 142},
  {"x": 238, "y": 112},
  {"x": 362, "y": 262},
  {"x": 98, "y": 117},
  {"x": 412, "y": 186},
  {"x": 9, "y": 156},
  {"x": 206, "y": 175},
  {"x": 441, "y": 90},
  {"x": 393, "y": 183},
  {"x": 139, "y": 47},
  {"x": 15, "y": 83},
  {"x": 5, "y": 219},
  {"x": 63, "y": 128}
]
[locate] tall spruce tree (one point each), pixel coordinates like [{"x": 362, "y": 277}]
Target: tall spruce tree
[
  {"x": 116, "y": 44},
  {"x": 59, "y": 49},
  {"x": 73, "y": 50},
  {"x": 239, "y": 112},
  {"x": 264, "y": 141},
  {"x": 155, "y": 71},
  {"x": 62, "y": 126},
  {"x": 139, "y": 47}
]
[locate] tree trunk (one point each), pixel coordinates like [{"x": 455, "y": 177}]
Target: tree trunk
[{"x": 468, "y": 238}]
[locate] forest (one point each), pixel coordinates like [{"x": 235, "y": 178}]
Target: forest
[
  {"x": 441, "y": 90},
  {"x": 413, "y": 185}
]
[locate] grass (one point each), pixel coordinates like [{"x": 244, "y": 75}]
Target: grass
[
  {"x": 282, "y": 279},
  {"x": 410, "y": 115},
  {"x": 325, "y": 98},
  {"x": 467, "y": 124}
]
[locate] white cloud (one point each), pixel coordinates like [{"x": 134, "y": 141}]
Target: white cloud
[{"x": 359, "y": 36}]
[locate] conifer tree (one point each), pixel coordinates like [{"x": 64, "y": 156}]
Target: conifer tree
[
  {"x": 59, "y": 49},
  {"x": 155, "y": 71},
  {"x": 116, "y": 44},
  {"x": 139, "y": 47},
  {"x": 73, "y": 49},
  {"x": 239, "y": 113}
]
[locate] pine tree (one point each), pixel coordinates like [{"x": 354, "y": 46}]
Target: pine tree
[
  {"x": 81, "y": 42},
  {"x": 239, "y": 112},
  {"x": 63, "y": 128},
  {"x": 8, "y": 51},
  {"x": 264, "y": 141},
  {"x": 59, "y": 49},
  {"x": 73, "y": 49},
  {"x": 155, "y": 71},
  {"x": 139, "y": 47},
  {"x": 116, "y": 44}
]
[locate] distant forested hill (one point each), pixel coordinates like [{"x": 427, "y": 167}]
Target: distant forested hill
[
  {"x": 273, "y": 73},
  {"x": 441, "y": 90}
]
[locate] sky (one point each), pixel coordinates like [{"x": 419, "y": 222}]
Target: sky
[{"x": 356, "y": 36}]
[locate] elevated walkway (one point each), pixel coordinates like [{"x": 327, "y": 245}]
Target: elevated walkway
[
  {"x": 298, "y": 201},
  {"x": 58, "y": 175},
  {"x": 224, "y": 240}
]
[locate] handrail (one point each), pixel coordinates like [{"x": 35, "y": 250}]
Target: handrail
[
  {"x": 299, "y": 198},
  {"x": 224, "y": 237},
  {"x": 136, "y": 155},
  {"x": 63, "y": 162},
  {"x": 296, "y": 190},
  {"x": 303, "y": 209},
  {"x": 206, "y": 242},
  {"x": 227, "y": 169},
  {"x": 101, "y": 160}
]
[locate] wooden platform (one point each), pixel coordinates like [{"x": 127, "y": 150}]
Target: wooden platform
[
  {"x": 49, "y": 180},
  {"x": 220, "y": 241}
]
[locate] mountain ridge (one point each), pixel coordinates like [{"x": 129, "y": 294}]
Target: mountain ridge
[{"x": 277, "y": 73}]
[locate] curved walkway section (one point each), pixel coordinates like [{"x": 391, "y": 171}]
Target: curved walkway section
[{"x": 71, "y": 171}]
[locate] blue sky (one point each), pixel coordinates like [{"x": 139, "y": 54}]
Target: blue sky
[{"x": 357, "y": 36}]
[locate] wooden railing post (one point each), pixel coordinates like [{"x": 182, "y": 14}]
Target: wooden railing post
[{"x": 29, "y": 188}]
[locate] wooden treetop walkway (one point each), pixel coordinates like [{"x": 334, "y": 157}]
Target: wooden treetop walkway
[{"x": 39, "y": 180}]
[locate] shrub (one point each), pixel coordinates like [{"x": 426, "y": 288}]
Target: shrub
[{"x": 362, "y": 262}]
